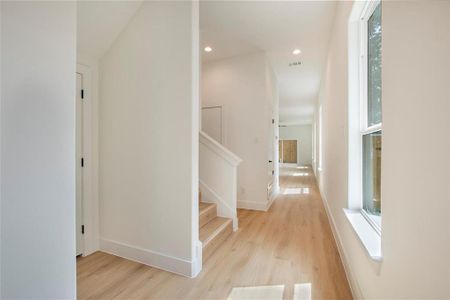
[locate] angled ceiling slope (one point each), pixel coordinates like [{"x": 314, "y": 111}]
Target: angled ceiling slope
[{"x": 100, "y": 22}]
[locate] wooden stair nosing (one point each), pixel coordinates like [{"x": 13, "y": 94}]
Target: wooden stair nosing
[
  {"x": 217, "y": 236},
  {"x": 224, "y": 223},
  {"x": 208, "y": 211}
]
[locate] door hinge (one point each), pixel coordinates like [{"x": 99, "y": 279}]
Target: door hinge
[
  {"x": 82, "y": 229},
  {"x": 82, "y": 162},
  {"x": 273, "y": 121},
  {"x": 82, "y": 94}
]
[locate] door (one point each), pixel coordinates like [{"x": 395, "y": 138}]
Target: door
[
  {"x": 79, "y": 166},
  {"x": 288, "y": 150}
]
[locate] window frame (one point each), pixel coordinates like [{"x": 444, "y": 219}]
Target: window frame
[{"x": 364, "y": 129}]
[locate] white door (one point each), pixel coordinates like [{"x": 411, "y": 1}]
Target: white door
[
  {"x": 212, "y": 122},
  {"x": 79, "y": 165}
]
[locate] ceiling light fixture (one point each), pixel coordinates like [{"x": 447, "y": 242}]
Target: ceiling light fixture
[
  {"x": 208, "y": 49},
  {"x": 296, "y": 52}
]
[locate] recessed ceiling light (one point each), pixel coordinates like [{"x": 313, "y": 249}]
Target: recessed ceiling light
[
  {"x": 296, "y": 52},
  {"x": 208, "y": 49}
]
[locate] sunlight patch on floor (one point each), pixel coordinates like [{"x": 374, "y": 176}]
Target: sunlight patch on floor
[
  {"x": 300, "y": 174},
  {"x": 296, "y": 191},
  {"x": 302, "y": 291},
  {"x": 265, "y": 292}
]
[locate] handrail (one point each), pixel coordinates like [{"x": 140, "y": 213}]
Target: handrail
[{"x": 219, "y": 149}]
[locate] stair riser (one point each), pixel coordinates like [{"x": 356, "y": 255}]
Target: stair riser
[
  {"x": 208, "y": 215},
  {"x": 218, "y": 240}
]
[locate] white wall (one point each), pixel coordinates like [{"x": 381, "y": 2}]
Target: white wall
[
  {"x": 416, "y": 147},
  {"x": 303, "y": 135},
  {"x": 239, "y": 84},
  {"x": 38, "y": 59},
  {"x": 149, "y": 139}
]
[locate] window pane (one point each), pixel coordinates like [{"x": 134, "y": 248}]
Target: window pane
[
  {"x": 372, "y": 174},
  {"x": 374, "y": 68}
]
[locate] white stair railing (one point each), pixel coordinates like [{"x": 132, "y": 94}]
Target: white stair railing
[{"x": 218, "y": 177}]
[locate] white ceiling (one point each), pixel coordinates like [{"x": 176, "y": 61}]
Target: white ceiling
[
  {"x": 234, "y": 28},
  {"x": 100, "y": 22}
]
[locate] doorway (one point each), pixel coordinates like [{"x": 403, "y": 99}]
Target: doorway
[
  {"x": 79, "y": 166},
  {"x": 288, "y": 151}
]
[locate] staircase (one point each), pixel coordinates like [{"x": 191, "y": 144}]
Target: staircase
[{"x": 214, "y": 230}]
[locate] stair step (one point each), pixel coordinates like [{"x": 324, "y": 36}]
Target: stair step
[
  {"x": 214, "y": 233},
  {"x": 208, "y": 211}
]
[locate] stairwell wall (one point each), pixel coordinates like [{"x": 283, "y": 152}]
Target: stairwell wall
[{"x": 148, "y": 172}]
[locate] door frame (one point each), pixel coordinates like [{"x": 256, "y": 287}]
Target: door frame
[{"x": 90, "y": 185}]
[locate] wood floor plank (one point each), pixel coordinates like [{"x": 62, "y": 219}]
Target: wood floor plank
[{"x": 290, "y": 244}]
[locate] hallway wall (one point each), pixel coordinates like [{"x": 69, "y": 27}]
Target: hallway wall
[
  {"x": 148, "y": 152},
  {"x": 303, "y": 134},
  {"x": 416, "y": 147}
]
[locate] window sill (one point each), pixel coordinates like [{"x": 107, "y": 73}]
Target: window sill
[{"x": 368, "y": 236}]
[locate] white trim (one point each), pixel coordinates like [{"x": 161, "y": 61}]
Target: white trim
[
  {"x": 197, "y": 265},
  {"x": 196, "y": 250},
  {"x": 273, "y": 196},
  {"x": 219, "y": 149},
  {"x": 150, "y": 258},
  {"x": 253, "y": 205},
  {"x": 371, "y": 222},
  {"x": 90, "y": 182},
  {"x": 367, "y": 11},
  {"x": 372, "y": 129},
  {"x": 367, "y": 235},
  {"x": 351, "y": 278},
  {"x": 223, "y": 209}
]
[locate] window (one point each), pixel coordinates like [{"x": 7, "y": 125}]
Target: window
[
  {"x": 371, "y": 115},
  {"x": 364, "y": 210}
]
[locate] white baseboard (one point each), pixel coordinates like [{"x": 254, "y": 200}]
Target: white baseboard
[
  {"x": 253, "y": 205},
  {"x": 273, "y": 196},
  {"x": 151, "y": 258},
  {"x": 197, "y": 264},
  {"x": 354, "y": 286}
]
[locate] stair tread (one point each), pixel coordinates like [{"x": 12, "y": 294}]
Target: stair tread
[
  {"x": 212, "y": 228},
  {"x": 204, "y": 206}
]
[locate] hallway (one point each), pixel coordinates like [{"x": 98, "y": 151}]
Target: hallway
[{"x": 290, "y": 246}]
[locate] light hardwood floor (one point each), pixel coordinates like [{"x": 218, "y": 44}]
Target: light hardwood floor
[{"x": 290, "y": 244}]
